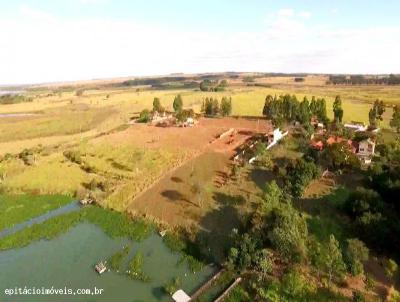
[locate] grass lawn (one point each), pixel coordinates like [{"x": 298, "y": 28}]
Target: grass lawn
[{"x": 15, "y": 209}]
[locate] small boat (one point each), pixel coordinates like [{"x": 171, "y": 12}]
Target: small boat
[
  {"x": 163, "y": 233},
  {"x": 100, "y": 267}
]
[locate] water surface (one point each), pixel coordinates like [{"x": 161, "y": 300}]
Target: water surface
[{"x": 68, "y": 260}]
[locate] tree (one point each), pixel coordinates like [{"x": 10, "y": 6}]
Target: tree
[
  {"x": 223, "y": 83},
  {"x": 356, "y": 254},
  {"x": 304, "y": 114},
  {"x": 211, "y": 106},
  {"x": 157, "y": 105},
  {"x": 339, "y": 156},
  {"x": 226, "y": 106},
  {"x": 205, "y": 85},
  {"x": 288, "y": 233},
  {"x": 267, "y": 110},
  {"x": 333, "y": 260},
  {"x": 178, "y": 103},
  {"x": 144, "y": 116},
  {"x": 244, "y": 254},
  {"x": 375, "y": 113},
  {"x": 337, "y": 109},
  {"x": 395, "y": 121},
  {"x": 299, "y": 174}
]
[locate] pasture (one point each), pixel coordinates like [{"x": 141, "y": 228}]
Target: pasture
[{"x": 124, "y": 159}]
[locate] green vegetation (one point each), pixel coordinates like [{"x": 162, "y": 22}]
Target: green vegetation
[
  {"x": 395, "y": 121},
  {"x": 186, "y": 249},
  {"x": 135, "y": 268},
  {"x": 171, "y": 287},
  {"x": 157, "y": 107},
  {"x": 376, "y": 113},
  {"x": 338, "y": 110},
  {"x": 18, "y": 208},
  {"x": 286, "y": 108},
  {"x": 356, "y": 254},
  {"x": 114, "y": 224},
  {"x": 178, "y": 103},
  {"x": 209, "y": 85},
  {"x": 14, "y": 99},
  {"x": 144, "y": 116},
  {"x": 118, "y": 257}
]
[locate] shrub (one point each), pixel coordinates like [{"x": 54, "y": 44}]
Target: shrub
[
  {"x": 144, "y": 116},
  {"x": 356, "y": 254},
  {"x": 390, "y": 267},
  {"x": 172, "y": 286},
  {"x": 27, "y": 156},
  {"x": 74, "y": 156},
  {"x": 358, "y": 297}
]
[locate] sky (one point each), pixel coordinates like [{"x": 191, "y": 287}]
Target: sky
[{"x": 63, "y": 40}]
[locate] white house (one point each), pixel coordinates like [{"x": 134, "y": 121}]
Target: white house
[{"x": 366, "y": 147}]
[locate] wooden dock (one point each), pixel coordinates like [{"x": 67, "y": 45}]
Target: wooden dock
[
  {"x": 206, "y": 285},
  {"x": 227, "y": 291}
]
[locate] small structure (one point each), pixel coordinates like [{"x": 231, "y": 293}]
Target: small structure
[
  {"x": 180, "y": 296},
  {"x": 274, "y": 137},
  {"x": 356, "y": 126},
  {"x": 366, "y": 147},
  {"x": 319, "y": 127},
  {"x": 87, "y": 200},
  {"x": 317, "y": 145},
  {"x": 162, "y": 119},
  {"x": 366, "y": 150},
  {"x": 228, "y": 290},
  {"x": 190, "y": 122},
  {"x": 100, "y": 267}
]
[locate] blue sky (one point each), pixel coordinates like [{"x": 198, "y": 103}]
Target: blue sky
[{"x": 43, "y": 40}]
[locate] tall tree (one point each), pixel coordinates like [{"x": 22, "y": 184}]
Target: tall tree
[
  {"x": 337, "y": 109},
  {"x": 178, "y": 103},
  {"x": 226, "y": 106},
  {"x": 333, "y": 260},
  {"x": 395, "y": 121},
  {"x": 157, "y": 105},
  {"x": 375, "y": 113},
  {"x": 304, "y": 114},
  {"x": 267, "y": 110}
]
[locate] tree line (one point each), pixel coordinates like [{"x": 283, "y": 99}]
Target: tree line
[
  {"x": 287, "y": 108},
  {"x": 212, "y": 107},
  {"x": 364, "y": 80},
  {"x": 213, "y": 85}
]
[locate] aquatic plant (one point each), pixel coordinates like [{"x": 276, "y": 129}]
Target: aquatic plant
[{"x": 135, "y": 268}]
